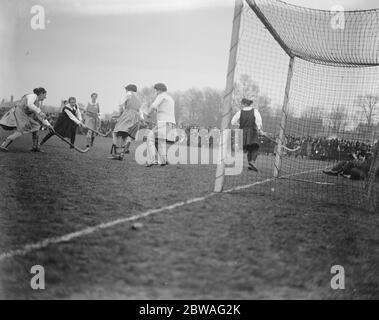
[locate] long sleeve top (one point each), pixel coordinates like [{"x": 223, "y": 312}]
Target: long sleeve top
[
  {"x": 31, "y": 103},
  {"x": 69, "y": 111},
  {"x": 258, "y": 118},
  {"x": 165, "y": 106}
]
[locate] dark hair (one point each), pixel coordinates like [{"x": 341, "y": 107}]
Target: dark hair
[
  {"x": 247, "y": 102},
  {"x": 39, "y": 91},
  {"x": 94, "y": 94},
  {"x": 71, "y": 98},
  {"x": 131, "y": 87},
  {"x": 160, "y": 87}
]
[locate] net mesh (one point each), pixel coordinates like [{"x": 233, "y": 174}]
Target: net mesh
[
  {"x": 345, "y": 38},
  {"x": 332, "y": 112}
]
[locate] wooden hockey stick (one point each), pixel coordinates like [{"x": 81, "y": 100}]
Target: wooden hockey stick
[
  {"x": 70, "y": 144},
  {"x": 99, "y": 133},
  {"x": 283, "y": 146}
]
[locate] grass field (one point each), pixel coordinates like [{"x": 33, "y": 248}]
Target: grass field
[{"x": 73, "y": 213}]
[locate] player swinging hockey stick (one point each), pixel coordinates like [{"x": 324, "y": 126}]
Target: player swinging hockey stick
[
  {"x": 127, "y": 124},
  {"x": 25, "y": 117},
  {"x": 277, "y": 143},
  {"x": 70, "y": 144},
  {"x": 68, "y": 120}
]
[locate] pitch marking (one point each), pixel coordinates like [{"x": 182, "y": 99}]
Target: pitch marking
[{"x": 26, "y": 249}]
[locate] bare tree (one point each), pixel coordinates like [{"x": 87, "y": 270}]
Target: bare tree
[
  {"x": 338, "y": 118},
  {"x": 211, "y": 114},
  {"x": 368, "y": 105}
]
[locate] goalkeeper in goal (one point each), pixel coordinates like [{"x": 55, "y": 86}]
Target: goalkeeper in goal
[{"x": 249, "y": 121}]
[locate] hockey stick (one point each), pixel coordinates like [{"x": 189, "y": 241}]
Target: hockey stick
[
  {"x": 99, "y": 133},
  {"x": 70, "y": 144},
  {"x": 283, "y": 146},
  {"x": 310, "y": 181}
]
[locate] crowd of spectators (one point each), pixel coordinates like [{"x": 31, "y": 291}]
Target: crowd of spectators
[
  {"x": 313, "y": 148},
  {"x": 318, "y": 148}
]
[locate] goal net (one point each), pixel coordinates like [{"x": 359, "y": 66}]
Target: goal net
[{"x": 314, "y": 77}]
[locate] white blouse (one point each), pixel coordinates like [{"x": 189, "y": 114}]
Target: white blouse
[
  {"x": 78, "y": 118},
  {"x": 30, "y": 101},
  {"x": 258, "y": 118},
  {"x": 165, "y": 106}
]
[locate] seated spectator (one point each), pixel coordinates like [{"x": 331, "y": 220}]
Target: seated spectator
[{"x": 357, "y": 168}]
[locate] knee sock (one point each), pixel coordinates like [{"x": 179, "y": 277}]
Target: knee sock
[
  {"x": 11, "y": 138},
  {"x": 254, "y": 154},
  {"x": 119, "y": 145},
  {"x": 127, "y": 143},
  {"x": 35, "y": 139},
  {"x": 249, "y": 156},
  {"x": 114, "y": 138}
]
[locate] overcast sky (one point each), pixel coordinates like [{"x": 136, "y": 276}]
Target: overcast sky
[{"x": 101, "y": 45}]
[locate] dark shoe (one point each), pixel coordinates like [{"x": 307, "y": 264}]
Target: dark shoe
[
  {"x": 330, "y": 172},
  {"x": 116, "y": 157},
  {"x": 4, "y": 149},
  {"x": 151, "y": 164},
  {"x": 37, "y": 150},
  {"x": 252, "y": 167},
  {"x": 163, "y": 164}
]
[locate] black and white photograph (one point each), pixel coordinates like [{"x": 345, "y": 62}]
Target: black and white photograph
[{"x": 217, "y": 151}]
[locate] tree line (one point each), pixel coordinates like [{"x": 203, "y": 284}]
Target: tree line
[{"x": 203, "y": 108}]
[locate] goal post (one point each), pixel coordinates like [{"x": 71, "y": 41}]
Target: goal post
[
  {"x": 371, "y": 184},
  {"x": 282, "y": 129},
  {"x": 314, "y": 77},
  {"x": 228, "y": 95}
]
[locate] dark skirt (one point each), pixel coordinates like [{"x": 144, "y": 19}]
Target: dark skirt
[
  {"x": 132, "y": 132},
  {"x": 250, "y": 139},
  {"x": 7, "y": 128},
  {"x": 122, "y": 134},
  {"x": 65, "y": 126}
]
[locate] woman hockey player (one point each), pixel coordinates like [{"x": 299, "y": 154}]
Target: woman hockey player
[
  {"x": 250, "y": 121},
  {"x": 92, "y": 119},
  {"x": 127, "y": 124},
  {"x": 69, "y": 119},
  {"x": 25, "y": 117}
]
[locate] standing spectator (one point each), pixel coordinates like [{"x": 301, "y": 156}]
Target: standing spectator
[{"x": 92, "y": 119}]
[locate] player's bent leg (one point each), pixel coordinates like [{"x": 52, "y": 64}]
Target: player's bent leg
[
  {"x": 36, "y": 146},
  {"x": 92, "y": 139},
  {"x": 72, "y": 140},
  {"x": 117, "y": 150},
  {"x": 162, "y": 152},
  {"x": 88, "y": 138},
  {"x": 252, "y": 155},
  {"x": 8, "y": 141},
  {"x": 151, "y": 149},
  {"x": 127, "y": 144}
]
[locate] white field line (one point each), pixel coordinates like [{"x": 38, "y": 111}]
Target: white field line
[
  {"x": 269, "y": 180},
  {"x": 26, "y": 249}
]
